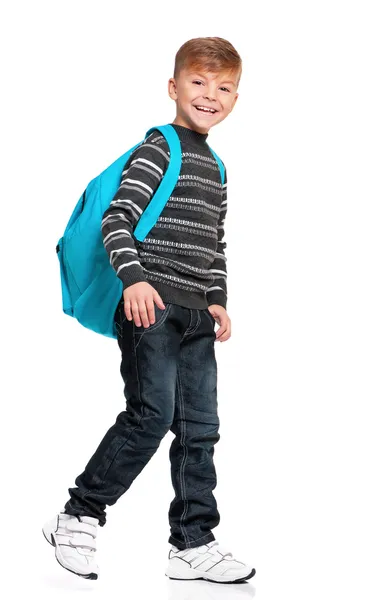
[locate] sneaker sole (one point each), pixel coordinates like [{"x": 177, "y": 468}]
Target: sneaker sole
[
  {"x": 52, "y": 543},
  {"x": 194, "y": 576}
]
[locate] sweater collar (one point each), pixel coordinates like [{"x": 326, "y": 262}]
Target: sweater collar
[{"x": 186, "y": 134}]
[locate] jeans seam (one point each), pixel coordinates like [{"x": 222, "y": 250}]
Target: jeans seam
[
  {"x": 182, "y": 467},
  {"x": 185, "y": 333},
  {"x": 197, "y": 323},
  {"x": 118, "y": 316},
  {"x": 119, "y": 324}
]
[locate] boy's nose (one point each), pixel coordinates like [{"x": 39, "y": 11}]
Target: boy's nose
[{"x": 210, "y": 96}]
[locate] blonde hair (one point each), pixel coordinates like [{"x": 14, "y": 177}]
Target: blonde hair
[{"x": 210, "y": 54}]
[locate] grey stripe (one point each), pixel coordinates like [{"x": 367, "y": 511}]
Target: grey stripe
[
  {"x": 122, "y": 231},
  {"x": 128, "y": 186},
  {"x": 196, "y": 185},
  {"x": 147, "y": 169},
  {"x": 199, "y": 209},
  {"x": 197, "y": 201},
  {"x": 115, "y": 218},
  {"x": 178, "y": 245},
  {"x": 157, "y": 277},
  {"x": 130, "y": 206},
  {"x": 176, "y": 264},
  {"x": 183, "y": 249},
  {"x": 133, "y": 262},
  {"x": 176, "y": 280},
  {"x": 193, "y": 161},
  {"x": 188, "y": 230},
  {"x": 205, "y": 158},
  {"x": 145, "y": 145},
  {"x": 115, "y": 238},
  {"x": 185, "y": 222},
  {"x": 197, "y": 179}
]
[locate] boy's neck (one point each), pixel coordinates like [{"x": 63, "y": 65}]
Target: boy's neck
[
  {"x": 186, "y": 134},
  {"x": 180, "y": 121}
]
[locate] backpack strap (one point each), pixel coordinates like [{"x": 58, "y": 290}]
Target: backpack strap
[
  {"x": 220, "y": 165},
  {"x": 167, "y": 184}
]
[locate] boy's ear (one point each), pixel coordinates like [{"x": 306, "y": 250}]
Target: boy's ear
[
  {"x": 234, "y": 101},
  {"x": 172, "y": 88}
]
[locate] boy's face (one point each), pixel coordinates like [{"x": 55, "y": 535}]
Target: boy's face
[{"x": 199, "y": 88}]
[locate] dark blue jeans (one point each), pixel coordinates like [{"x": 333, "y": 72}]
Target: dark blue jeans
[{"x": 170, "y": 374}]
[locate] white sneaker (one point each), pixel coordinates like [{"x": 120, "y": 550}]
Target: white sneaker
[
  {"x": 209, "y": 562},
  {"x": 74, "y": 539}
]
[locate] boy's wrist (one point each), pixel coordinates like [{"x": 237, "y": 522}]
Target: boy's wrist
[
  {"x": 131, "y": 275},
  {"x": 217, "y": 297}
]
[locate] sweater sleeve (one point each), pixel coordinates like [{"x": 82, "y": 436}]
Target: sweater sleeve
[
  {"x": 141, "y": 177},
  {"x": 217, "y": 292}
]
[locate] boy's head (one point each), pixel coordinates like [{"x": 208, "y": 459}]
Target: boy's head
[{"x": 207, "y": 73}]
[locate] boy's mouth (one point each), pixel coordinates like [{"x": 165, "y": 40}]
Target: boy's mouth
[{"x": 201, "y": 108}]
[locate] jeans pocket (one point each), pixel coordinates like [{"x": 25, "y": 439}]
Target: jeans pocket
[{"x": 160, "y": 317}]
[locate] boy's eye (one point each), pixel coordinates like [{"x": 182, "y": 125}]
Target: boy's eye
[{"x": 222, "y": 88}]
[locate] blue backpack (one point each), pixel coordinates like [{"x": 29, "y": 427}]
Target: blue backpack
[{"x": 91, "y": 289}]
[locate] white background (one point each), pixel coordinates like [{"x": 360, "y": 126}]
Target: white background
[{"x": 82, "y": 83}]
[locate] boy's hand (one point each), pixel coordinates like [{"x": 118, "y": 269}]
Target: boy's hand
[
  {"x": 139, "y": 301},
  {"x": 221, "y": 316}
]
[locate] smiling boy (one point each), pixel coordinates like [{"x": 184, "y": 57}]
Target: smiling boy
[{"x": 174, "y": 291}]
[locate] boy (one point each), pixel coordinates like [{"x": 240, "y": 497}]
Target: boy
[{"x": 174, "y": 291}]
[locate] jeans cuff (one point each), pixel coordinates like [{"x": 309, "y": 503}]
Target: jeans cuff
[
  {"x": 194, "y": 543},
  {"x": 75, "y": 512}
]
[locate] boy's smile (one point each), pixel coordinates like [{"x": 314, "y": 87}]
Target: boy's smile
[{"x": 203, "y": 98}]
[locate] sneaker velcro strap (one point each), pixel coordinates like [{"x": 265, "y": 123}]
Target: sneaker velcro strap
[
  {"x": 83, "y": 541},
  {"x": 74, "y": 525}
]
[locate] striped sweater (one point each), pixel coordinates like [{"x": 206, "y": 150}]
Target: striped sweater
[{"x": 183, "y": 256}]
